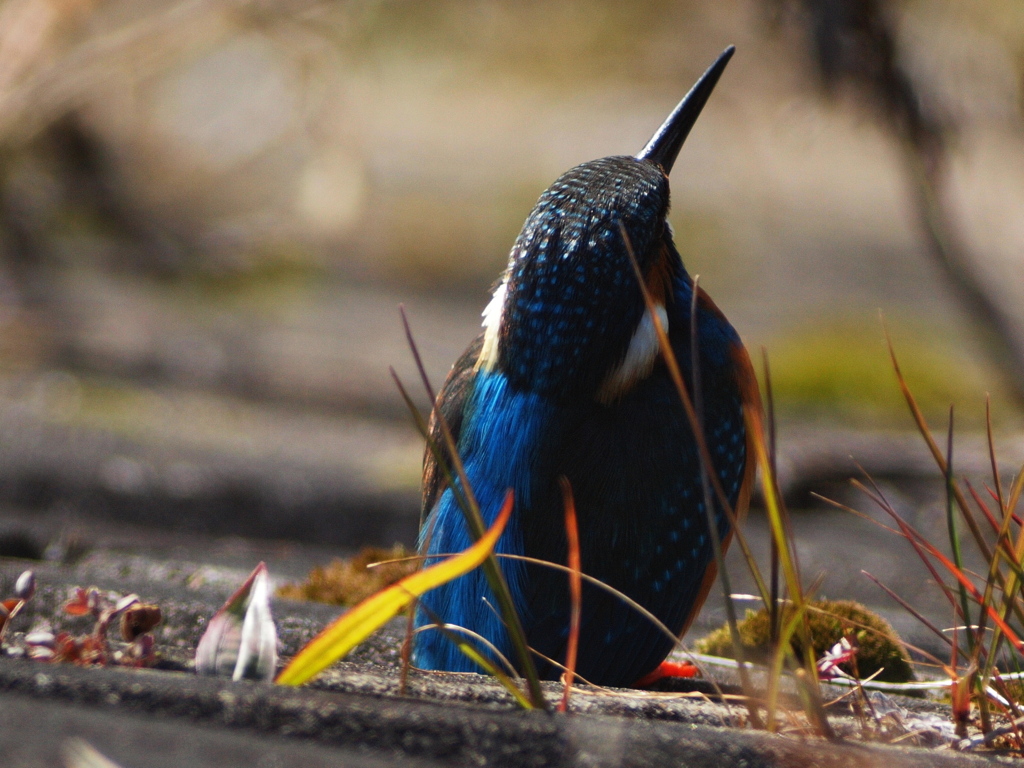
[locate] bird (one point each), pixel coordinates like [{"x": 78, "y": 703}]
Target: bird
[{"x": 566, "y": 379}]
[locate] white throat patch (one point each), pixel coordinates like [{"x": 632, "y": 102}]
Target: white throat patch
[
  {"x": 639, "y": 360},
  {"x": 492, "y": 325},
  {"x": 640, "y": 356}
]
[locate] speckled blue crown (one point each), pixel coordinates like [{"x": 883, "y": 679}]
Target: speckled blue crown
[{"x": 573, "y": 300}]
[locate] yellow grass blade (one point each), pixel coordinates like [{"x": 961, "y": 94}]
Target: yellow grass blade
[
  {"x": 347, "y": 632},
  {"x": 493, "y": 670}
]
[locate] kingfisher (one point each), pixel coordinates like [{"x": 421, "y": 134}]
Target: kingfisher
[{"x": 567, "y": 380}]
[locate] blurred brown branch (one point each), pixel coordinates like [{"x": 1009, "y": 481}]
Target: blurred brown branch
[{"x": 854, "y": 43}]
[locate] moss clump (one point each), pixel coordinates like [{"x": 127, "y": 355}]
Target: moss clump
[
  {"x": 830, "y": 621},
  {"x": 347, "y": 582}
]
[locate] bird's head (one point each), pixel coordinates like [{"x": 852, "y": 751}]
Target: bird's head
[{"x": 568, "y": 319}]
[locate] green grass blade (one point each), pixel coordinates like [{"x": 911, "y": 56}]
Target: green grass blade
[
  {"x": 344, "y": 634},
  {"x": 954, "y": 538}
]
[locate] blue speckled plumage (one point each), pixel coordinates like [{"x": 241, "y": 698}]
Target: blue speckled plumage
[
  {"x": 568, "y": 280},
  {"x": 544, "y": 403}
]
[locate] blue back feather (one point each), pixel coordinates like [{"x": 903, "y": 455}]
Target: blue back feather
[{"x": 498, "y": 447}]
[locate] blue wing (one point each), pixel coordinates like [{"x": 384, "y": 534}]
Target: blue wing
[{"x": 497, "y": 431}]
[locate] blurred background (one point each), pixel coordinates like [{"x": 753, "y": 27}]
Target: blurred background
[{"x": 211, "y": 210}]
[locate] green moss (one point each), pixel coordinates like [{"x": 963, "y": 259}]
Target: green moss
[
  {"x": 879, "y": 645},
  {"x": 841, "y": 369},
  {"x": 347, "y": 582}
]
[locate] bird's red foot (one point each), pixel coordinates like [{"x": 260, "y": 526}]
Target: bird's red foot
[{"x": 667, "y": 669}]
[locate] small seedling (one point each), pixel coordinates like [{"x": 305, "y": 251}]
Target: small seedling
[{"x": 240, "y": 641}]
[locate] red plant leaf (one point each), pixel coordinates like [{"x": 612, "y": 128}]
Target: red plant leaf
[{"x": 575, "y": 591}]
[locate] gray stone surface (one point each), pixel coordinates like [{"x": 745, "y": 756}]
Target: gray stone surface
[
  {"x": 124, "y": 710},
  {"x": 356, "y": 713},
  {"x": 37, "y": 732}
]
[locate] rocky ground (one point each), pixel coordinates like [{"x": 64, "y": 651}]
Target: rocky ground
[
  {"x": 356, "y": 715},
  {"x": 187, "y": 553}
]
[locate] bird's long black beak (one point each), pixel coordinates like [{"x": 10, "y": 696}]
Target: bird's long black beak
[{"x": 664, "y": 146}]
